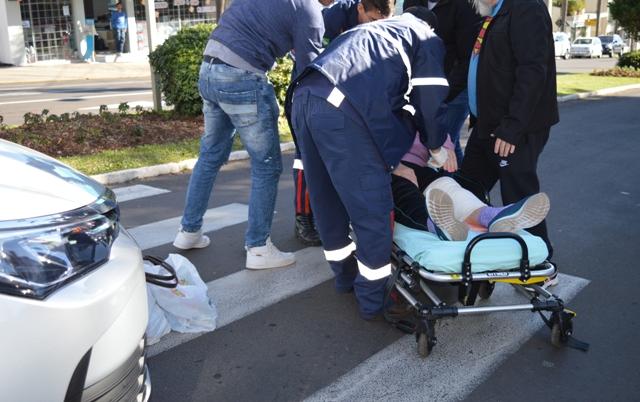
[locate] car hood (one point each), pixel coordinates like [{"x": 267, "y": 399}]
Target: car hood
[
  {"x": 33, "y": 184},
  {"x": 581, "y": 46}
]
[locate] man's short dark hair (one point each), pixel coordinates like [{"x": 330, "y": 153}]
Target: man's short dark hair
[
  {"x": 384, "y": 6},
  {"x": 414, "y": 3},
  {"x": 425, "y": 15}
]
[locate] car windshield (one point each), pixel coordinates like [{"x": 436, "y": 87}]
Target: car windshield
[
  {"x": 582, "y": 41},
  {"x": 606, "y": 39}
]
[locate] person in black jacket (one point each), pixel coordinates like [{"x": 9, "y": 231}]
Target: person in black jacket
[
  {"x": 512, "y": 98},
  {"x": 457, "y": 24}
]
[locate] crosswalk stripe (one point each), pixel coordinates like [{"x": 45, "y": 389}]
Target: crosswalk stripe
[
  {"x": 245, "y": 292},
  {"x": 163, "y": 232},
  {"x": 468, "y": 350},
  {"x": 137, "y": 191}
]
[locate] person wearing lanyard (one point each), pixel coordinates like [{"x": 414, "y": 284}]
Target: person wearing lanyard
[
  {"x": 348, "y": 114},
  {"x": 512, "y": 99},
  {"x": 238, "y": 98},
  {"x": 338, "y": 18}
]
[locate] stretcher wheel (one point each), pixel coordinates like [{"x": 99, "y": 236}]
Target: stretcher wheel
[
  {"x": 486, "y": 289},
  {"x": 556, "y": 335},
  {"x": 424, "y": 346}
]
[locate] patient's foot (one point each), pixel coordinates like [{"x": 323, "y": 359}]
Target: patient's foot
[
  {"x": 440, "y": 208},
  {"x": 524, "y": 214}
]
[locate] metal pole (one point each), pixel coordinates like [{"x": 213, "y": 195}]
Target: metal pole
[
  {"x": 598, "y": 18},
  {"x": 152, "y": 40},
  {"x": 565, "y": 7}
]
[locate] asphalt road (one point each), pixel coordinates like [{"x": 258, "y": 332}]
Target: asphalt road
[
  {"x": 285, "y": 335},
  {"x": 71, "y": 96},
  {"x": 584, "y": 65}
]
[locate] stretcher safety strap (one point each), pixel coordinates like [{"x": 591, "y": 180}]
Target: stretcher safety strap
[
  {"x": 374, "y": 274},
  {"x": 430, "y": 81},
  {"x": 340, "y": 254},
  {"x": 297, "y": 164}
]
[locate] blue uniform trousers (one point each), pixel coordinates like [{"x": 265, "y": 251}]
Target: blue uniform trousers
[{"x": 348, "y": 183}]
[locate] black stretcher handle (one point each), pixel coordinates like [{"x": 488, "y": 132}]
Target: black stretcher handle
[{"x": 525, "y": 273}]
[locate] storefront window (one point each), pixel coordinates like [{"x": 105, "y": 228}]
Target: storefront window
[{"x": 48, "y": 29}]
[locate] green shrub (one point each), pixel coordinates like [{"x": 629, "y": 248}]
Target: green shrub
[
  {"x": 630, "y": 60},
  {"x": 177, "y": 63}
]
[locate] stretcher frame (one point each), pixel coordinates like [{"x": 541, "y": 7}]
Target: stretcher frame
[{"x": 409, "y": 279}]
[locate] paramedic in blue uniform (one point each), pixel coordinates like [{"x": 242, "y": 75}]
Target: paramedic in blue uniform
[
  {"x": 340, "y": 17},
  {"x": 347, "y": 113}
]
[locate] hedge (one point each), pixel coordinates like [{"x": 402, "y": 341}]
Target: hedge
[
  {"x": 630, "y": 60},
  {"x": 177, "y": 63}
]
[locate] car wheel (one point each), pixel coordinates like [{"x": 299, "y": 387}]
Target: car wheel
[{"x": 566, "y": 55}]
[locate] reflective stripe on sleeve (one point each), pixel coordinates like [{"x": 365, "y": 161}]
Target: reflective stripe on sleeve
[
  {"x": 430, "y": 81},
  {"x": 297, "y": 164},
  {"x": 374, "y": 274},
  {"x": 340, "y": 254}
]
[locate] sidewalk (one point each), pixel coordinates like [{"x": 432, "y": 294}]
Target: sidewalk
[{"x": 43, "y": 72}]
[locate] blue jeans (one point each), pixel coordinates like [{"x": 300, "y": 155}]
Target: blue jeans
[
  {"x": 237, "y": 101},
  {"x": 121, "y": 35},
  {"x": 457, "y": 113}
]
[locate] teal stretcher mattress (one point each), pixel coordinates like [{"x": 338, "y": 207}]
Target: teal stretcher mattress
[{"x": 447, "y": 256}]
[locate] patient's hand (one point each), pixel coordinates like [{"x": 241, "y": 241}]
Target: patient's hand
[
  {"x": 451, "y": 164},
  {"x": 407, "y": 173}
]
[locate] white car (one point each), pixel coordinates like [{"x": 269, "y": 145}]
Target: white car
[
  {"x": 562, "y": 44},
  {"x": 73, "y": 302},
  {"x": 586, "y": 47}
]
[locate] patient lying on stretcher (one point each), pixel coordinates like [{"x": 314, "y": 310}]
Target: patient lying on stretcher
[{"x": 426, "y": 199}]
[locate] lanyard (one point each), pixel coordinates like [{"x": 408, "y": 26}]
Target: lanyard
[{"x": 478, "y": 45}]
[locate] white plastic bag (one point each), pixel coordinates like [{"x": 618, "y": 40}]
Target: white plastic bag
[
  {"x": 158, "y": 325},
  {"x": 187, "y": 308}
]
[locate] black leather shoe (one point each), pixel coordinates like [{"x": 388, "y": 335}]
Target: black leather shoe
[{"x": 306, "y": 230}]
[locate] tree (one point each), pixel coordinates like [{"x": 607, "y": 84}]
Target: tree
[{"x": 627, "y": 13}]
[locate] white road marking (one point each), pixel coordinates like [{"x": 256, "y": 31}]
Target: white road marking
[
  {"x": 163, "y": 232},
  {"x": 48, "y": 86},
  {"x": 78, "y": 98},
  {"x": 245, "y": 292},
  {"x": 137, "y": 191},
  {"x": 469, "y": 349},
  {"x": 18, "y": 94}
]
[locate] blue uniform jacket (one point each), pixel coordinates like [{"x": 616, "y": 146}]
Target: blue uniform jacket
[{"x": 386, "y": 69}]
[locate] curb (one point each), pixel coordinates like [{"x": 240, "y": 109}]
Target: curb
[
  {"x": 599, "y": 92},
  {"x": 123, "y": 176}
]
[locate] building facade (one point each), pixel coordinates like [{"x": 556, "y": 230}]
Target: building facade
[{"x": 42, "y": 30}]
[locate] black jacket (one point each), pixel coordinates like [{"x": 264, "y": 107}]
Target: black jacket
[
  {"x": 458, "y": 26},
  {"x": 516, "y": 80}
]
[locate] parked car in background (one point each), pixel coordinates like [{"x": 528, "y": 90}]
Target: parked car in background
[
  {"x": 612, "y": 45},
  {"x": 562, "y": 44},
  {"x": 73, "y": 301},
  {"x": 586, "y": 47}
]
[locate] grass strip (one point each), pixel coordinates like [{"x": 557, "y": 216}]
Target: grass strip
[
  {"x": 148, "y": 155},
  {"x": 574, "y": 83}
]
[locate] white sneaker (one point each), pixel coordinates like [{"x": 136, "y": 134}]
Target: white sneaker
[
  {"x": 188, "y": 240},
  {"x": 268, "y": 256}
]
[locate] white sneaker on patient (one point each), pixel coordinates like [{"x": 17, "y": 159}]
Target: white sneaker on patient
[
  {"x": 188, "y": 240},
  {"x": 440, "y": 208},
  {"x": 268, "y": 256}
]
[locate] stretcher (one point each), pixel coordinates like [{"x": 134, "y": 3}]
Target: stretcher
[{"x": 475, "y": 266}]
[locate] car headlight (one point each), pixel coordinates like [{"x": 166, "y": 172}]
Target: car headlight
[{"x": 41, "y": 255}]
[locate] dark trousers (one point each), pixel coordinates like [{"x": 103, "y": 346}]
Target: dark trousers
[
  {"x": 517, "y": 173},
  {"x": 410, "y": 206},
  {"x": 348, "y": 183}
]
